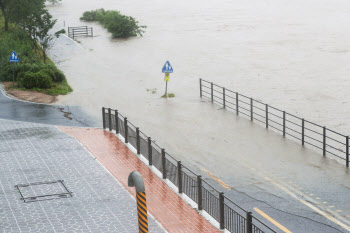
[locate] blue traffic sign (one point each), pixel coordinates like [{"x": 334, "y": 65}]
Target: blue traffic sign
[
  {"x": 14, "y": 57},
  {"x": 167, "y": 68}
]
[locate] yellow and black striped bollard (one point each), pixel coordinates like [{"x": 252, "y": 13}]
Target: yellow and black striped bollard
[
  {"x": 142, "y": 212},
  {"x": 135, "y": 180}
]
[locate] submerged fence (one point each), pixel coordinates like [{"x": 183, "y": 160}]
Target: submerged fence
[
  {"x": 226, "y": 212},
  {"x": 307, "y": 133},
  {"x": 80, "y": 31}
]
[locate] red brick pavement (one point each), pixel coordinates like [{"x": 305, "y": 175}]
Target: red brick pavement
[{"x": 168, "y": 208}]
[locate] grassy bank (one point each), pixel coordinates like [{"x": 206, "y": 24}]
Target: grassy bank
[{"x": 31, "y": 73}]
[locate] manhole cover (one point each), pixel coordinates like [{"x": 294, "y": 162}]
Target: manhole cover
[{"x": 42, "y": 191}]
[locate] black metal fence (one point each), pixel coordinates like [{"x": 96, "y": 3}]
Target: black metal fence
[
  {"x": 80, "y": 31},
  {"x": 226, "y": 212},
  {"x": 307, "y": 133}
]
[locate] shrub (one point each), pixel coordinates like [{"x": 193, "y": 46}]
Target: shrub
[
  {"x": 31, "y": 80},
  {"x": 121, "y": 26}
]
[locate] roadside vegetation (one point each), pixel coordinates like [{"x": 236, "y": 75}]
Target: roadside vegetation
[
  {"x": 121, "y": 26},
  {"x": 25, "y": 28}
]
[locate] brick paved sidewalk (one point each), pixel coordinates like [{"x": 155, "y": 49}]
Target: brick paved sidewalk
[
  {"x": 168, "y": 208},
  {"x": 32, "y": 153}
]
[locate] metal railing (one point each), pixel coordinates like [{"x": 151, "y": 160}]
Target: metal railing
[
  {"x": 226, "y": 212},
  {"x": 307, "y": 133},
  {"x": 80, "y": 31}
]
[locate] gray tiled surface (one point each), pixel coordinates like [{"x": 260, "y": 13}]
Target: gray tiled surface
[{"x": 35, "y": 153}]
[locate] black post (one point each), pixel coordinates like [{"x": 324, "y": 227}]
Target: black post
[
  {"x": 13, "y": 79},
  {"x": 138, "y": 140},
  {"x": 212, "y": 92},
  {"x": 251, "y": 109},
  {"x": 237, "y": 111},
  {"x": 163, "y": 164},
  {"x": 126, "y": 130},
  {"x": 267, "y": 116},
  {"x": 302, "y": 132},
  {"x": 249, "y": 222},
  {"x": 222, "y": 211},
  {"x": 224, "y": 97},
  {"x": 200, "y": 196},
  {"x": 150, "y": 157},
  {"x": 324, "y": 141},
  {"x": 347, "y": 151},
  {"x": 110, "y": 119},
  {"x": 284, "y": 123},
  {"x": 92, "y": 32},
  {"x": 103, "y": 118},
  {"x": 73, "y": 33},
  {"x": 200, "y": 87},
  {"x": 116, "y": 122},
  {"x": 179, "y": 176}
]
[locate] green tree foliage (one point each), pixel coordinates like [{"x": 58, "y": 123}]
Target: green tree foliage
[
  {"x": 30, "y": 38},
  {"x": 121, "y": 26},
  {"x": 16, "y": 11}
]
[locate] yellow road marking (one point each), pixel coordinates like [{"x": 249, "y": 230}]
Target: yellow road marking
[
  {"x": 348, "y": 216},
  {"x": 324, "y": 202},
  {"x": 331, "y": 206},
  {"x": 318, "y": 198},
  {"x": 223, "y": 184},
  {"x": 272, "y": 221},
  {"x": 311, "y": 194},
  {"x": 339, "y": 211}
]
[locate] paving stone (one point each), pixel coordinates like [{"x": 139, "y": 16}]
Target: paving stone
[{"x": 31, "y": 153}]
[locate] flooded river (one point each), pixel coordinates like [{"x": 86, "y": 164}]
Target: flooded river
[{"x": 293, "y": 55}]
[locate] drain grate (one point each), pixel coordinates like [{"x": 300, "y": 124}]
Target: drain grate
[{"x": 43, "y": 191}]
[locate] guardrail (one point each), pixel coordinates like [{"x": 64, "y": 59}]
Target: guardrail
[
  {"x": 229, "y": 215},
  {"x": 80, "y": 31},
  {"x": 318, "y": 137}
]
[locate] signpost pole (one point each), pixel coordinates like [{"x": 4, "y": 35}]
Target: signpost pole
[
  {"x": 13, "y": 78},
  {"x": 166, "y": 88}
]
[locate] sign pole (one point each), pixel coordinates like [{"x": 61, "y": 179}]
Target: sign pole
[
  {"x": 166, "y": 88},
  {"x": 13, "y": 79}
]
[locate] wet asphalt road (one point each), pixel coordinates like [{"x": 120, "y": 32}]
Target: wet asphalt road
[{"x": 42, "y": 113}]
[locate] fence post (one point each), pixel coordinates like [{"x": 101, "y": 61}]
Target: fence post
[
  {"x": 116, "y": 122},
  {"x": 284, "y": 123},
  {"x": 324, "y": 141},
  {"x": 163, "y": 164},
  {"x": 110, "y": 119},
  {"x": 126, "y": 130},
  {"x": 237, "y": 111},
  {"x": 224, "y": 96},
  {"x": 249, "y": 222},
  {"x": 267, "y": 116},
  {"x": 73, "y": 33},
  {"x": 150, "y": 157},
  {"x": 212, "y": 92},
  {"x": 92, "y": 32},
  {"x": 200, "y": 87},
  {"x": 347, "y": 151},
  {"x": 103, "y": 118},
  {"x": 138, "y": 140},
  {"x": 179, "y": 176},
  {"x": 251, "y": 109},
  {"x": 222, "y": 211},
  {"x": 302, "y": 132},
  {"x": 199, "y": 189}
]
